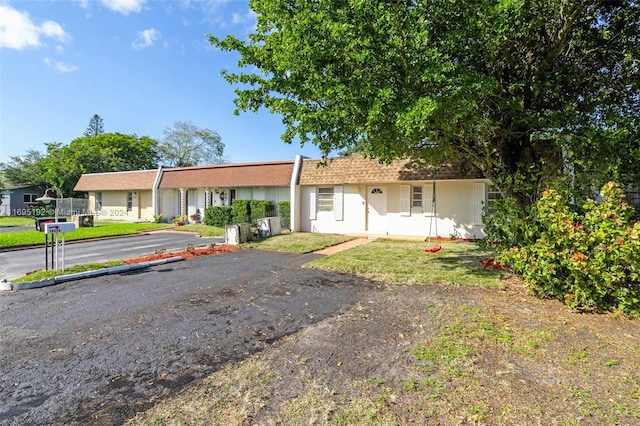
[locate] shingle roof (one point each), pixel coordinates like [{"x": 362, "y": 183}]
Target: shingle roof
[
  {"x": 357, "y": 169},
  {"x": 276, "y": 173},
  {"x": 117, "y": 181}
]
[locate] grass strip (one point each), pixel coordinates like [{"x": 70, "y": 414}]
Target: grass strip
[
  {"x": 41, "y": 275},
  {"x": 298, "y": 242},
  {"x": 100, "y": 230}
]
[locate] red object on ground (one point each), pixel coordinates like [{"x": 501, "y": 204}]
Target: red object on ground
[
  {"x": 490, "y": 263},
  {"x": 433, "y": 249}
]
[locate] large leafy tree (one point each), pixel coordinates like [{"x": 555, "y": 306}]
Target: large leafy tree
[
  {"x": 106, "y": 152},
  {"x": 62, "y": 165},
  {"x": 511, "y": 86},
  {"x": 27, "y": 169},
  {"x": 188, "y": 145}
]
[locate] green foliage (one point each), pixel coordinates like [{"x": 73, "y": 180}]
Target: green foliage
[
  {"x": 241, "y": 211},
  {"x": 507, "y": 226},
  {"x": 220, "y": 216},
  {"x": 589, "y": 259},
  {"x": 504, "y": 85},
  {"x": 188, "y": 145},
  {"x": 42, "y": 211},
  {"x": 259, "y": 209},
  {"x": 95, "y": 126},
  {"x": 249, "y": 211},
  {"x": 284, "y": 208},
  {"x": 62, "y": 166},
  {"x": 27, "y": 169}
]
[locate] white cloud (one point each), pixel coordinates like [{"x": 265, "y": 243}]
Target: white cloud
[
  {"x": 124, "y": 6},
  {"x": 54, "y": 30},
  {"x": 146, "y": 38},
  {"x": 17, "y": 30},
  {"x": 60, "y": 66}
]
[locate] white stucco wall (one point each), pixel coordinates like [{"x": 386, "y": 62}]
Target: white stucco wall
[
  {"x": 353, "y": 218},
  {"x": 169, "y": 203},
  {"x": 454, "y": 212},
  {"x": 114, "y": 205}
]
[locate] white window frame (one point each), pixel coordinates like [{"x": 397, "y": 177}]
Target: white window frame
[
  {"x": 129, "y": 202},
  {"x": 32, "y": 198},
  {"x": 325, "y": 199},
  {"x": 417, "y": 198}
]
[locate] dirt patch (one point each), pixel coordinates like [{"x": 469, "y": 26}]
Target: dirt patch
[
  {"x": 185, "y": 254},
  {"x": 430, "y": 355}
]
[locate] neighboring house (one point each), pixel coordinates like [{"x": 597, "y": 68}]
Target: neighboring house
[
  {"x": 185, "y": 190},
  {"x": 17, "y": 200},
  {"x": 182, "y": 191},
  {"x": 121, "y": 195},
  {"x": 357, "y": 195},
  {"x": 350, "y": 195}
]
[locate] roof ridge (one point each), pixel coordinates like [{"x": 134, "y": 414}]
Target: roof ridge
[
  {"x": 230, "y": 165},
  {"x": 122, "y": 171}
]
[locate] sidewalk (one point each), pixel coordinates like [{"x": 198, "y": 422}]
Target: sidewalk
[{"x": 344, "y": 246}]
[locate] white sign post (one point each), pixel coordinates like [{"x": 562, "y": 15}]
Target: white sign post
[{"x": 57, "y": 228}]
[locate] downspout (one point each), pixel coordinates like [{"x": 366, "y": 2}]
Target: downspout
[
  {"x": 294, "y": 190},
  {"x": 155, "y": 192}
]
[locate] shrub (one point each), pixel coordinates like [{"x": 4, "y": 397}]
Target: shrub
[
  {"x": 284, "y": 207},
  {"x": 240, "y": 211},
  {"x": 42, "y": 210},
  {"x": 217, "y": 216},
  {"x": 259, "y": 209},
  {"x": 508, "y": 226},
  {"x": 588, "y": 259}
]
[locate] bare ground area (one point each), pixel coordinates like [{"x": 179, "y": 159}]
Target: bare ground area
[
  {"x": 436, "y": 355},
  {"x": 253, "y": 338}
]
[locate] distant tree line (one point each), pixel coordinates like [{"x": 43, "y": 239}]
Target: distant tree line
[{"x": 98, "y": 152}]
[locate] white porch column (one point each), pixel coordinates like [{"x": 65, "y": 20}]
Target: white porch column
[{"x": 183, "y": 202}]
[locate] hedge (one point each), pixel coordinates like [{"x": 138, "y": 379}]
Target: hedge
[
  {"x": 284, "y": 207},
  {"x": 240, "y": 211},
  {"x": 217, "y": 216}
]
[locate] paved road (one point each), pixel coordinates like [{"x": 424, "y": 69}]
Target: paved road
[
  {"x": 14, "y": 264},
  {"x": 96, "y": 351}
]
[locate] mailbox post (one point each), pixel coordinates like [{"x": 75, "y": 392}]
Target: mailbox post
[{"x": 55, "y": 229}]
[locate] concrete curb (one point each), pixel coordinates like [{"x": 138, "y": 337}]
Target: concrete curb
[{"x": 88, "y": 274}]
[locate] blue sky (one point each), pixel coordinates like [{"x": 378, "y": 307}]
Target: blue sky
[{"x": 141, "y": 65}]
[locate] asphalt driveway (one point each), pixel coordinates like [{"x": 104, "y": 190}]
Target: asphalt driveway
[
  {"x": 14, "y": 264},
  {"x": 99, "y": 350}
]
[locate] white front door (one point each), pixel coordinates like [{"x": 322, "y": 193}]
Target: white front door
[
  {"x": 192, "y": 203},
  {"x": 377, "y": 209}
]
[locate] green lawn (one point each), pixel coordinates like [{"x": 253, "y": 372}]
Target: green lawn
[
  {"x": 204, "y": 230},
  {"x": 298, "y": 242},
  {"x": 101, "y": 229},
  {"x": 40, "y": 275},
  {"x": 406, "y": 263},
  {"x": 16, "y": 221},
  {"x": 392, "y": 261}
]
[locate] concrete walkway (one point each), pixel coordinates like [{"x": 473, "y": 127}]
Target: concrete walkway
[{"x": 344, "y": 246}]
